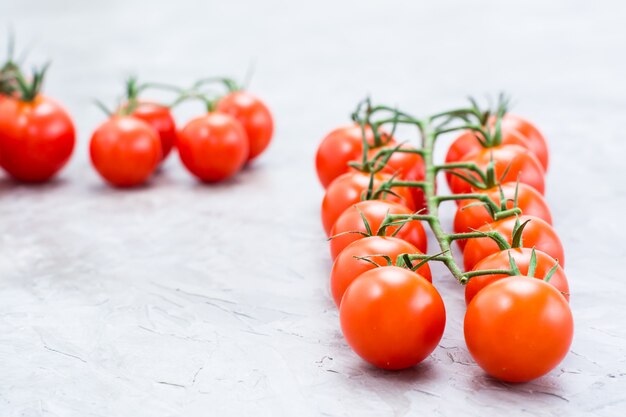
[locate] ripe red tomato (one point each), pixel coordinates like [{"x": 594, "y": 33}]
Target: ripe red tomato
[
  {"x": 253, "y": 115},
  {"x": 374, "y": 211},
  {"x": 519, "y": 161},
  {"x": 347, "y": 190},
  {"x": 36, "y": 138},
  {"x": 160, "y": 118},
  {"x": 125, "y": 151},
  {"x": 471, "y": 217},
  {"x": 537, "y": 234},
  {"x": 392, "y": 317},
  {"x": 522, "y": 257},
  {"x": 213, "y": 147},
  {"x": 518, "y": 329},
  {"x": 339, "y": 147},
  {"x": 536, "y": 142},
  {"x": 347, "y": 267}
]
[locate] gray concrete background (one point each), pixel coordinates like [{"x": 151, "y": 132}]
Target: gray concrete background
[{"x": 180, "y": 299}]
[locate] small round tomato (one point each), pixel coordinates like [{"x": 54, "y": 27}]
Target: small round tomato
[
  {"x": 522, "y": 257},
  {"x": 537, "y": 234},
  {"x": 213, "y": 147},
  {"x": 160, "y": 118},
  {"x": 349, "y": 188},
  {"x": 470, "y": 216},
  {"x": 375, "y": 212},
  {"x": 518, "y": 329},
  {"x": 253, "y": 115},
  {"x": 392, "y": 317},
  {"x": 515, "y": 161},
  {"x": 36, "y": 138},
  {"x": 125, "y": 151},
  {"x": 536, "y": 142},
  {"x": 347, "y": 267},
  {"x": 339, "y": 147}
]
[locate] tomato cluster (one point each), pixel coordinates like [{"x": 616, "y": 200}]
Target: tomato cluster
[
  {"x": 37, "y": 135},
  {"x": 380, "y": 194}
]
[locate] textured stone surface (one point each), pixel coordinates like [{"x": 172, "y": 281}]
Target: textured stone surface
[{"x": 180, "y": 299}]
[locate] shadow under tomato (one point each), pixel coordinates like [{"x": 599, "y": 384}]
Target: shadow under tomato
[{"x": 8, "y": 183}]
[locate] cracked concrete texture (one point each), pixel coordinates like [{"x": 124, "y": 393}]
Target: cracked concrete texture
[{"x": 183, "y": 299}]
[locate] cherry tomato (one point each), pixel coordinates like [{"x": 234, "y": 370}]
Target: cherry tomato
[
  {"x": 36, "y": 138},
  {"x": 374, "y": 211},
  {"x": 253, "y": 115},
  {"x": 339, "y": 147},
  {"x": 347, "y": 267},
  {"x": 213, "y": 147},
  {"x": 392, "y": 317},
  {"x": 160, "y": 118},
  {"x": 536, "y": 142},
  {"x": 347, "y": 190},
  {"x": 518, "y": 329},
  {"x": 522, "y": 257},
  {"x": 125, "y": 151},
  {"x": 521, "y": 163},
  {"x": 537, "y": 234},
  {"x": 471, "y": 217}
]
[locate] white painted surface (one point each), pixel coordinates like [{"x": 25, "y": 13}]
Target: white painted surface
[{"x": 180, "y": 299}]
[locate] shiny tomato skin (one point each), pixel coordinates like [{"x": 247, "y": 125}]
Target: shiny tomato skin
[
  {"x": 36, "y": 138},
  {"x": 347, "y": 268},
  {"x": 523, "y": 165},
  {"x": 254, "y": 116},
  {"x": 374, "y": 211},
  {"x": 213, "y": 147},
  {"x": 536, "y": 141},
  {"x": 125, "y": 151},
  {"x": 518, "y": 328},
  {"x": 521, "y": 256},
  {"x": 160, "y": 118},
  {"x": 337, "y": 149},
  {"x": 470, "y": 217},
  {"x": 392, "y": 317},
  {"x": 537, "y": 234},
  {"x": 347, "y": 190}
]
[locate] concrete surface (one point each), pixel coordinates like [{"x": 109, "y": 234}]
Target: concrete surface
[{"x": 180, "y": 299}]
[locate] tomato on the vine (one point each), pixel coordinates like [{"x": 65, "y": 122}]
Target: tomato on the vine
[
  {"x": 254, "y": 116},
  {"x": 36, "y": 137},
  {"x": 338, "y": 148},
  {"x": 535, "y": 140},
  {"x": 470, "y": 215},
  {"x": 516, "y": 162},
  {"x": 125, "y": 151},
  {"x": 213, "y": 147},
  {"x": 522, "y": 258},
  {"x": 374, "y": 211},
  {"x": 537, "y": 233},
  {"x": 160, "y": 118},
  {"x": 392, "y": 317},
  {"x": 518, "y": 329},
  {"x": 349, "y": 188}
]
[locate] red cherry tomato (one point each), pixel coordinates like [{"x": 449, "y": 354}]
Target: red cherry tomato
[
  {"x": 521, "y": 163},
  {"x": 471, "y": 217},
  {"x": 522, "y": 257},
  {"x": 347, "y": 190},
  {"x": 125, "y": 151},
  {"x": 537, "y": 234},
  {"x": 36, "y": 138},
  {"x": 213, "y": 147},
  {"x": 374, "y": 211},
  {"x": 160, "y": 118},
  {"x": 518, "y": 329},
  {"x": 536, "y": 142},
  {"x": 339, "y": 147},
  {"x": 392, "y": 317},
  {"x": 347, "y": 267},
  {"x": 253, "y": 115}
]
